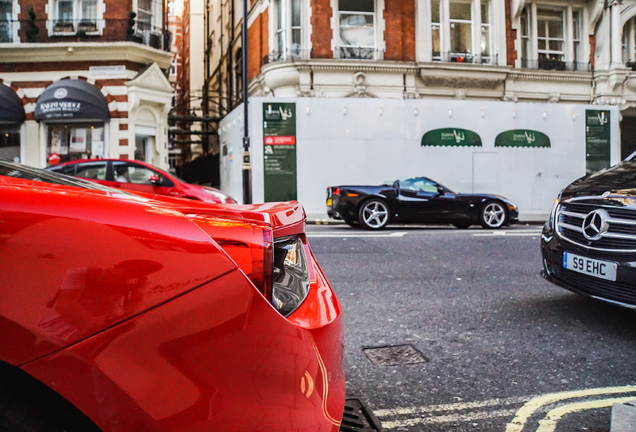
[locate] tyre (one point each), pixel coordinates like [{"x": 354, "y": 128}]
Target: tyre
[
  {"x": 462, "y": 225},
  {"x": 352, "y": 224},
  {"x": 493, "y": 215},
  {"x": 374, "y": 214}
]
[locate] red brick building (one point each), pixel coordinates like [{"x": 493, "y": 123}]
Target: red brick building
[{"x": 91, "y": 76}]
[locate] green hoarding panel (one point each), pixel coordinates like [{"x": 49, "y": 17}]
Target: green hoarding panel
[
  {"x": 522, "y": 138},
  {"x": 597, "y": 140},
  {"x": 451, "y": 137},
  {"x": 279, "y": 151}
]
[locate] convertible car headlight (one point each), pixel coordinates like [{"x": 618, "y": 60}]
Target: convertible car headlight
[{"x": 291, "y": 274}]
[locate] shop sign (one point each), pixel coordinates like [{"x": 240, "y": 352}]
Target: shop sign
[
  {"x": 522, "y": 138},
  {"x": 451, "y": 137},
  {"x": 597, "y": 140},
  {"x": 59, "y": 109},
  {"x": 279, "y": 151}
]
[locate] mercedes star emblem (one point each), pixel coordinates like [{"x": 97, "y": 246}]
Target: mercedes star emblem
[{"x": 595, "y": 224}]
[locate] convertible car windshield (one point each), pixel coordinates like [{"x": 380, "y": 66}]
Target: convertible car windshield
[{"x": 421, "y": 184}]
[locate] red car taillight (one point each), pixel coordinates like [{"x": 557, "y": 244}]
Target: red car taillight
[
  {"x": 249, "y": 244},
  {"x": 293, "y": 273}
]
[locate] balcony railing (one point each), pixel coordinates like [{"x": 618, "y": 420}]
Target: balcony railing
[
  {"x": 454, "y": 57},
  {"x": 294, "y": 54},
  {"x": 86, "y": 30},
  {"x": 555, "y": 64},
  {"x": 357, "y": 53}
]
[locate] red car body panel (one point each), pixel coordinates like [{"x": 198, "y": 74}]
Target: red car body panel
[{"x": 132, "y": 312}]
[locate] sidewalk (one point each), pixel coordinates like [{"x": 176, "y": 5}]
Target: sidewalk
[{"x": 323, "y": 219}]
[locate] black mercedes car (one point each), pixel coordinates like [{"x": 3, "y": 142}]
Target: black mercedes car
[
  {"x": 589, "y": 242},
  {"x": 417, "y": 200}
]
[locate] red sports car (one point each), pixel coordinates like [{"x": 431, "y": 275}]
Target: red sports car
[
  {"x": 136, "y": 176},
  {"x": 120, "y": 313}
]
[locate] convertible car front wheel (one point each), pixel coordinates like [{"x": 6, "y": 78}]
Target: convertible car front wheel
[
  {"x": 374, "y": 214},
  {"x": 493, "y": 215}
]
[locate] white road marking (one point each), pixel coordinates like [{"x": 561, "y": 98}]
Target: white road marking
[
  {"x": 508, "y": 234},
  {"x": 459, "y": 406},
  {"x": 529, "y": 408},
  {"x": 327, "y": 235},
  {"x": 454, "y": 418},
  {"x": 549, "y": 423}
]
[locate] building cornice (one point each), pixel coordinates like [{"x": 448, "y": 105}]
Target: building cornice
[
  {"x": 336, "y": 65},
  {"x": 551, "y": 76},
  {"x": 84, "y": 51}
]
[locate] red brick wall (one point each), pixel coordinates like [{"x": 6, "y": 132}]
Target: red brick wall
[
  {"x": 258, "y": 44},
  {"x": 511, "y": 37},
  {"x": 399, "y": 33},
  {"x": 321, "y": 32}
]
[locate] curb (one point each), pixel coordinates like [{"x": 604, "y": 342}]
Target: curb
[{"x": 323, "y": 222}]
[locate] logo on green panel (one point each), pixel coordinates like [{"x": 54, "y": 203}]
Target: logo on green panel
[
  {"x": 451, "y": 137},
  {"x": 522, "y": 138}
]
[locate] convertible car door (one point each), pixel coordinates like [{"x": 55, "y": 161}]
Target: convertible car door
[{"x": 415, "y": 200}]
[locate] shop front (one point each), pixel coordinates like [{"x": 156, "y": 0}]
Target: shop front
[
  {"x": 74, "y": 119},
  {"x": 12, "y": 118}
]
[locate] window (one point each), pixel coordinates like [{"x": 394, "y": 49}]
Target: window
[
  {"x": 550, "y": 35},
  {"x": 435, "y": 29},
  {"x": 288, "y": 30},
  {"x": 130, "y": 172},
  {"x": 461, "y": 27},
  {"x": 77, "y": 141},
  {"x": 72, "y": 16},
  {"x": 238, "y": 75},
  {"x": 463, "y": 32},
  {"x": 6, "y": 21},
  {"x": 92, "y": 170},
  {"x": 557, "y": 44},
  {"x": 144, "y": 15},
  {"x": 357, "y": 31}
]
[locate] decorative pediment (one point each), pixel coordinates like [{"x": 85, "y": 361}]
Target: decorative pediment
[{"x": 151, "y": 78}]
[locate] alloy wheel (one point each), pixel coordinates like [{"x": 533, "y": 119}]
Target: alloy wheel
[
  {"x": 375, "y": 214},
  {"x": 493, "y": 215}
]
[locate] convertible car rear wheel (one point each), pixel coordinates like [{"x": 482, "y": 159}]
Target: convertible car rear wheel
[
  {"x": 374, "y": 214},
  {"x": 493, "y": 215}
]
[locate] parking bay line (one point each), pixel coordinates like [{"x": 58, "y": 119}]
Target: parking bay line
[
  {"x": 549, "y": 423},
  {"x": 522, "y": 416},
  {"x": 508, "y": 234},
  {"x": 454, "y": 417},
  {"x": 336, "y": 235}
]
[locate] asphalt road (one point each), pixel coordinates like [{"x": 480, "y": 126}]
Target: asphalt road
[{"x": 501, "y": 348}]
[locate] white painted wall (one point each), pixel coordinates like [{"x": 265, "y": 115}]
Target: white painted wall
[{"x": 364, "y": 147}]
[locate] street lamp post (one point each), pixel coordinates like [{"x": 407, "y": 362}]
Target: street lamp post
[{"x": 247, "y": 168}]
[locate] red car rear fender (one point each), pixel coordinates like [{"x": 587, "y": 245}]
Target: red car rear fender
[
  {"x": 219, "y": 358},
  {"x": 74, "y": 262}
]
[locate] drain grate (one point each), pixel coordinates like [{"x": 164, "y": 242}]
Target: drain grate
[
  {"x": 358, "y": 417},
  {"x": 394, "y": 355}
]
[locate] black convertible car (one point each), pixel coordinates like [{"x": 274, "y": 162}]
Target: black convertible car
[
  {"x": 417, "y": 200},
  {"x": 589, "y": 242}
]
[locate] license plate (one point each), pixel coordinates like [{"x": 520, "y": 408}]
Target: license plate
[
  {"x": 591, "y": 267},
  {"x": 329, "y": 201}
]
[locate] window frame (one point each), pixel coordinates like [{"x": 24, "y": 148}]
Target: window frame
[
  {"x": 285, "y": 31},
  {"x": 13, "y": 23},
  {"x": 379, "y": 46},
  {"x": 574, "y": 55},
  {"x": 92, "y": 26}
]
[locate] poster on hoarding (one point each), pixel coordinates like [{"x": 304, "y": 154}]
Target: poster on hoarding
[
  {"x": 279, "y": 151},
  {"x": 597, "y": 140}
]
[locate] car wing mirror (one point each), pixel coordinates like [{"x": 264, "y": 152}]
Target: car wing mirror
[
  {"x": 440, "y": 191},
  {"x": 155, "y": 180}
]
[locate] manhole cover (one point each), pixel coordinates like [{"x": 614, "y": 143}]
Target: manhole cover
[
  {"x": 394, "y": 355},
  {"x": 358, "y": 417}
]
